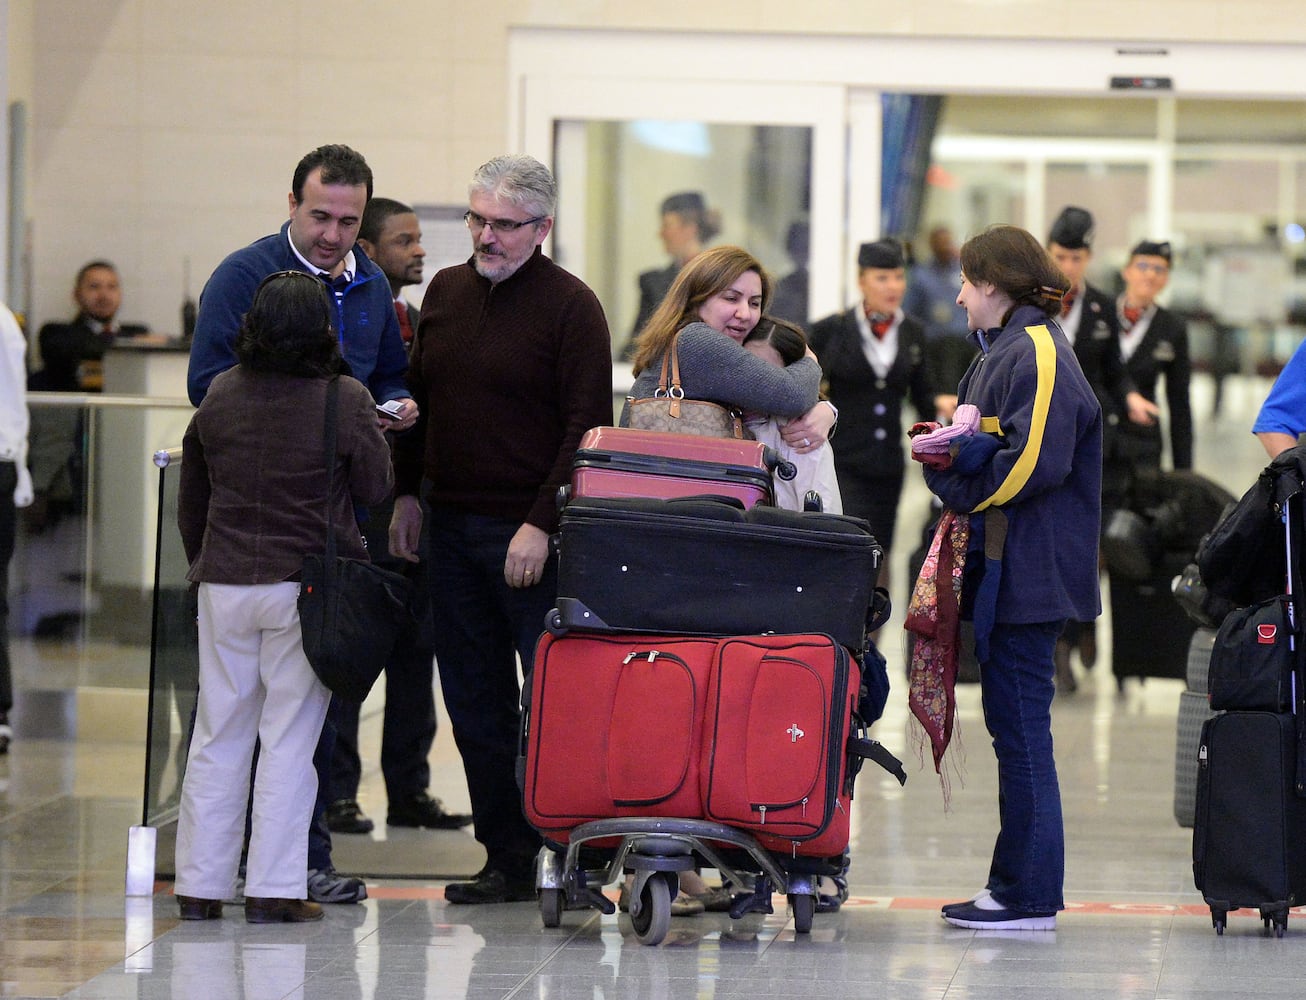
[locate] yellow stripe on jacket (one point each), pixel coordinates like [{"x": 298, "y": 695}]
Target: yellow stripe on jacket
[{"x": 1045, "y": 364}]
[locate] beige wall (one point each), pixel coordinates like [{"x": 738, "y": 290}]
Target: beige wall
[{"x": 163, "y": 130}]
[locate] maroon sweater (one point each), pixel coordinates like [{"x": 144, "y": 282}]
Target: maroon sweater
[{"x": 509, "y": 377}]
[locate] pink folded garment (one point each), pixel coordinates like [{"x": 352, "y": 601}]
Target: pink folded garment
[{"x": 965, "y": 422}]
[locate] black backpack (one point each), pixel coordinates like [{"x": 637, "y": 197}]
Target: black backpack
[{"x": 1243, "y": 557}]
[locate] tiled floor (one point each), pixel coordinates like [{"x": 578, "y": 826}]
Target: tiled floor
[{"x": 1134, "y": 926}]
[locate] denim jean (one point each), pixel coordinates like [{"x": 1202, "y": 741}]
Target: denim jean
[
  {"x": 1028, "y": 869},
  {"x": 481, "y": 627}
]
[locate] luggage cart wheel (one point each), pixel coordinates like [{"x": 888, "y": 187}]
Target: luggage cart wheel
[
  {"x": 653, "y": 920},
  {"x": 551, "y": 907},
  {"x": 804, "y": 906}
]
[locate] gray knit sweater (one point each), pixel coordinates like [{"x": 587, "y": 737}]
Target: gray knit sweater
[{"x": 715, "y": 368}]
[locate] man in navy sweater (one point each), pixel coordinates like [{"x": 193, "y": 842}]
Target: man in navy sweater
[{"x": 328, "y": 194}]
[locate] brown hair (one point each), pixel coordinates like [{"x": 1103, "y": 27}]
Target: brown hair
[
  {"x": 1014, "y": 262},
  {"x": 705, "y": 275},
  {"x": 788, "y": 339},
  {"x": 290, "y": 328}
]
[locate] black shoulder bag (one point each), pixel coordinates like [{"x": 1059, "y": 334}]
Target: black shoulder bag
[{"x": 350, "y": 611}]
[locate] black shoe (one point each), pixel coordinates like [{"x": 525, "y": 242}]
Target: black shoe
[
  {"x": 345, "y": 816},
  {"x": 490, "y": 885},
  {"x": 422, "y": 810}
]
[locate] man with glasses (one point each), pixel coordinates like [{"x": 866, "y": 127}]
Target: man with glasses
[
  {"x": 329, "y": 191},
  {"x": 511, "y": 365}
]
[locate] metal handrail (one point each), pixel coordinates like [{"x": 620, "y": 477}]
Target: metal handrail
[{"x": 97, "y": 400}]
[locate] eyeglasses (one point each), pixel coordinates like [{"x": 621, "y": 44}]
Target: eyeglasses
[
  {"x": 501, "y": 226},
  {"x": 1147, "y": 265}
]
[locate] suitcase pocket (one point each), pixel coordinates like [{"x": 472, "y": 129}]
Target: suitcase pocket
[
  {"x": 652, "y": 744},
  {"x": 1251, "y": 661}
]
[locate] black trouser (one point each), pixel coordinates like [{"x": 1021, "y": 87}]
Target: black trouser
[
  {"x": 482, "y": 626},
  {"x": 408, "y": 724}
]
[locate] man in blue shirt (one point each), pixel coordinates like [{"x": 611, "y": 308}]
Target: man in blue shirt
[{"x": 329, "y": 192}]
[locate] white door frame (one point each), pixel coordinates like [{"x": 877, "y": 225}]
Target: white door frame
[{"x": 833, "y": 83}]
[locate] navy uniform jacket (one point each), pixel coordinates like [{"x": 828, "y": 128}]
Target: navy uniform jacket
[
  {"x": 1162, "y": 351},
  {"x": 1046, "y": 477},
  {"x": 1097, "y": 346},
  {"x": 871, "y": 437}
]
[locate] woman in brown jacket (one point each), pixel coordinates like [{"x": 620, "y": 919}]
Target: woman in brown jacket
[{"x": 251, "y": 506}]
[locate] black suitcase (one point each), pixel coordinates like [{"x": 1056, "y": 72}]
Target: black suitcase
[
  {"x": 704, "y": 565},
  {"x": 1249, "y": 832},
  {"x": 1150, "y": 631}
]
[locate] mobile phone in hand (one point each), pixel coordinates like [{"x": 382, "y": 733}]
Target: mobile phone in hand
[{"x": 391, "y": 409}]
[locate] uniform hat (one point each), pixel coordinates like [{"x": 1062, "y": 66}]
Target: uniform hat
[
  {"x": 885, "y": 254},
  {"x": 1073, "y": 229},
  {"x": 684, "y": 203},
  {"x": 1147, "y": 248}
]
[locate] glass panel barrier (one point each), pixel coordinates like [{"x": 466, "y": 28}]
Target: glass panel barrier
[
  {"x": 174, "y": 656},
  {"x": 84, "y": 600}
]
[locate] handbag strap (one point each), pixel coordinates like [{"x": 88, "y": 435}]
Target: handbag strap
[
  {"x": 671, "y": 390},
  {"x": 329, "y": 422}
]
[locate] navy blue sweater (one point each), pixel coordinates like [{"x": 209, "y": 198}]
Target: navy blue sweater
[{"x": 1046, "y": 477}]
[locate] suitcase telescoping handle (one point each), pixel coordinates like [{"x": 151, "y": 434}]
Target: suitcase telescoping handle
[{"x": 1291, "y": 511}]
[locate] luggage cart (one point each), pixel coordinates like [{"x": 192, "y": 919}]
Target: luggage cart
[{"x": 656, "y": 850}]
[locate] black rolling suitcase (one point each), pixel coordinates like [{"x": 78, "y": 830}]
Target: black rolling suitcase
[
  {"x": 705, "y": 565},
  {"x": 1150, "y": 631},
  {"x": 1249, "y": 832}
]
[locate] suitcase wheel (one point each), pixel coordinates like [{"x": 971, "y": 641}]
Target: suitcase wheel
[
  {"x": 553, "y": 623},
  {"x": 551, "y": 907},
  {"x": 1218, "y": 918},
  {"x": 803, "y": 906},
  {"x": 1276, "y": 919}
]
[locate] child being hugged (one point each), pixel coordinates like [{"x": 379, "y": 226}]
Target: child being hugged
[{"x": 782, "y": 343}]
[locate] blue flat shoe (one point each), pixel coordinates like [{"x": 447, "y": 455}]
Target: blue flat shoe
[{"x": 973, "y": 917}]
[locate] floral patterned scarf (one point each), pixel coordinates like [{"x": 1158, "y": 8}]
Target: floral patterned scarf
[{"x": 934, "y": 618}]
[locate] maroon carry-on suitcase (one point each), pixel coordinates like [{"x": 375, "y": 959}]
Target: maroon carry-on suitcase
[{"x": 623, "y": 462}]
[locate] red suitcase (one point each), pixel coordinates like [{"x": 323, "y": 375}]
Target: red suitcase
[
  {"x": 622, "y": 462},
  {"x": 779, "y": 714},
  {"x": 614, "y": 728}
]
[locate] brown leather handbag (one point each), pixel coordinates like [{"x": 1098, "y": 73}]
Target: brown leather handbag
[{"x": 668, "y": 409}]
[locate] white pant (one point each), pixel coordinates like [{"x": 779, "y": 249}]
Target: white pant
[{"x": 254, "y": 682}]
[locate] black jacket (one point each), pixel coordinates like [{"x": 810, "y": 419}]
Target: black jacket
[
  {"x": 1163, "y": 351},
  {"x": 870, "y": 440}
]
